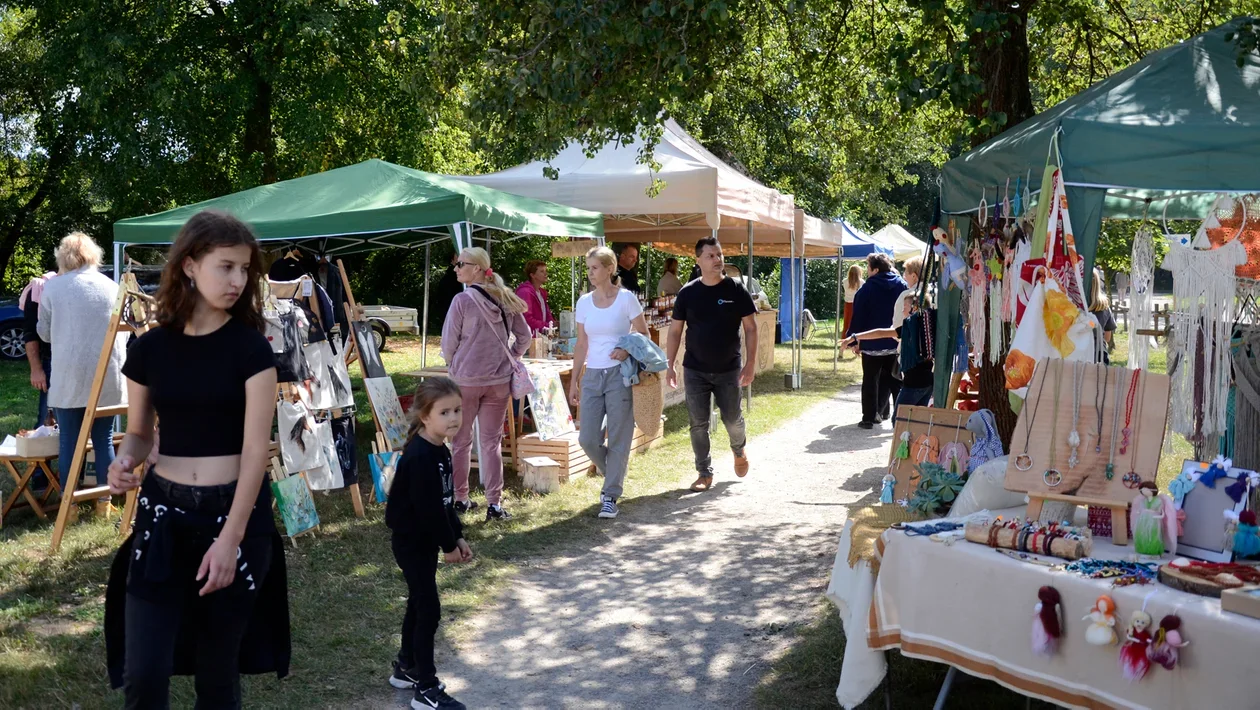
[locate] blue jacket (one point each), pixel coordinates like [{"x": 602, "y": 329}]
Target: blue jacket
[
  {"x": 645, "y": 355},
  {"x": 873, "y": 307}
]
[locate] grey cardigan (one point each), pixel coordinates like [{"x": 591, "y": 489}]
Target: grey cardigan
[{"x": 74, "y": 314}]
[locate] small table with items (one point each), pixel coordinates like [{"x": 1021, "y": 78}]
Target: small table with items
[{"x": 10, "y": 460}]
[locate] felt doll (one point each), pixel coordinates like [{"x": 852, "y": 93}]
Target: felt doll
[
  {"x": 954, "y": 456},
  {"x": 1246, "y": 536},
  {"x": 1180, "y": 486},
  {"x": 1155, "y": 522},
  {"x": 1133, "y": 661},
  {"x": 1165, "y": 649},
  {"x": 1219, "y": 469},
  {"x": 1047, "y": 624},
  {"x": 955, "y": 267},
  {"x": 927, "y": 447},
  {"x": 987, "y": 444},
  {"x": 886, "y": 492},
  {"x": 903, "y": 449},
  {"x": 1102, "y": 626}
]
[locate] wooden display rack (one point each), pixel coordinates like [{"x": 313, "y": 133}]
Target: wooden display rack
[
  {"x": 287, "y": 289},
  {"x": 566, "y": 451},
  {"x": 1086, "y": 483},
  {"x": 137, "y": 305},
  {"x": 944, "y": 425}
]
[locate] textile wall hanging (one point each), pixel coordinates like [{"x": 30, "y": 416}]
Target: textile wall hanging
[{"x": 1142, "y": 285}]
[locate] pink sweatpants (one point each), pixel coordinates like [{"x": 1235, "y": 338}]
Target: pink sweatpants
[{"x": 488, "y": 406}]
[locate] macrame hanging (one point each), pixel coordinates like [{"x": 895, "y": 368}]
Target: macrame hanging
[
  {"x": 1204, "y": 287},
  {"x": 997, "y": 351},
  {"x": 976, "y": 305},
  {"x": 1142, "y": 283}
]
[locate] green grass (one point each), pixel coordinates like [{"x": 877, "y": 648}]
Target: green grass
[{"x": 345, "y": 592}]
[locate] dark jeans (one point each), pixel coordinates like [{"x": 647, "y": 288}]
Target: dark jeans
[
  {"x": 69, "y": 422},
  {"x": 703, "y": 388},
  {"x": 913, "y": 396},
  {"x": 418, "y": 563},
  {"x": 41, "y": 412},
  {"x": 219, "y": 619},
  {"x": 879, "y": 387}
]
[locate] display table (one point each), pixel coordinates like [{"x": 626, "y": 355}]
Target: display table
[{"x": 972, "y": 608}]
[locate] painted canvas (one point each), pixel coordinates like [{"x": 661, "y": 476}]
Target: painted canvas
[
  {"x": 549, "y": 404},
  {"x": 297, "y": 506},
  {"x": 300, "y": 447},
  {"x": 326, "y": 476},
  {"x": 389, "y": 412},
  {"x": 383, "y": 468},
  {"x": 339, "y": 378},
  {"x": 371, "y": 358},
  {"x": 318, "y": 356}
]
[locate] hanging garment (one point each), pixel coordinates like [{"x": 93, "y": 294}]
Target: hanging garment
[
  {"x": 290, "y": 362},
  {"x": 1051, "y": 327},
  {"x": 1204, "y": 287},
  {"x": 343, "y": 439},
  {"x": 1141, "y": 306},
  {"x": 318, "y": 356}
]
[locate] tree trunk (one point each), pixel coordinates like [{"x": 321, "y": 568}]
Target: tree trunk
[
  {"x": 59, "y": 156},
  {"x": 1002, "y": 64},
  {"x": 259, "y": 137}
]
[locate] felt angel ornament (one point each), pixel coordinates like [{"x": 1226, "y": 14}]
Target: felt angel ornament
[
  {"x": 1166, "y": 647},
  {"x": 886, "y": 491},
  {"x": 1133, "y": 660},
  {"x": 1155, "y": 522},
  {"x": 1047, "y": 624},
  {"x": 1102, "y": 626}
]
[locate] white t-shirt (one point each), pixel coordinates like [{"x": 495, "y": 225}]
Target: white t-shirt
[{"x": 605, "y": 326}]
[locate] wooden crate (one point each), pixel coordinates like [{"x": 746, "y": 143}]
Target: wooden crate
[
  {"x": 542, "y": 475},
  {"x": 566, "y": 451}
]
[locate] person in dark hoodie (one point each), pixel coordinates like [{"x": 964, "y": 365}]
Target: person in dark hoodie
[
  {"x": 873, "y": 308},
  {"x": 420, "y": 513}
]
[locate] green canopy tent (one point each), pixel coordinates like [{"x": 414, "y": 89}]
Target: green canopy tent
[
  {"x": 1171, "y": 130},
  {"x": 372, "y": 205}
]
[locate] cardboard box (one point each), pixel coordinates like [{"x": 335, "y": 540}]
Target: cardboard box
[
  {"x": 1244, "y": 600},
  {"x": 38, "y": 447}
]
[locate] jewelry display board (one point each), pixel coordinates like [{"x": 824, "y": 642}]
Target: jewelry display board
[
  {"x": 1117, "y": 420},
  {"x": 946, "y": 425}
]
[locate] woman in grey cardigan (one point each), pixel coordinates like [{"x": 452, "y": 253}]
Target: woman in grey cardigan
[{"x": 74, "y": 314}]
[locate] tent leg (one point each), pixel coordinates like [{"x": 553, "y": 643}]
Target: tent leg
[
  {"x": 118, "y": 265},
  {"x": 424, "y": 315},
  {"x": 748, "y": 280},
  {"x": 835, "y": 332},
  {"x": 647, "y": 273}
]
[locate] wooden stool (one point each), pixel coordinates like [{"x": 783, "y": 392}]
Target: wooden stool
[{"x": 30, "y": 464}]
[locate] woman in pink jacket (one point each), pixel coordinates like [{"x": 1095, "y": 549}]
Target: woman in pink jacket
[
  {"x": 531, "y": 291},
  {"x": 477, "y": 345}
]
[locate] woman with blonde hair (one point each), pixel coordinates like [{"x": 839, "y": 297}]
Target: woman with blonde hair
[
  {"x": 74, "y": 313},
  {"x": 478, "y": 346},
  {"x": 603, "y": 316},
  {"x": 851, "y": 286}
]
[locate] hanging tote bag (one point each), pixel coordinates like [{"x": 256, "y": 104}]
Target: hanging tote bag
[{"x": 520, "y": 382}]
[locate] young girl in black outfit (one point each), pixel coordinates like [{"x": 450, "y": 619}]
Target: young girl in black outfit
[
  {"x": 200, "y": 587},
  {"x": 421, "y": 514}
]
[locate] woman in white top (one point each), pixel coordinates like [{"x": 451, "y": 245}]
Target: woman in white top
[
  {"x": 603, "y": 316},
  {"x": 669, "y": 285}
]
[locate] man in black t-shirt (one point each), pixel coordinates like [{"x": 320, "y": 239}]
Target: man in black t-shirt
[
  {"x": 713, "y": 307},
  {"x": 628, "y": 266}
]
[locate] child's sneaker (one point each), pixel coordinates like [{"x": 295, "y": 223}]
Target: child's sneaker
[
  {"x": 496, "y": 512},
  {"x": 435, "y": 697},
  {"x": 465, "y": 506},
  {"x": 403, "y": 678},
  {"x": 607, "y": 507}
]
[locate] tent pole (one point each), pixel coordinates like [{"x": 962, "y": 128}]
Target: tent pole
[
  {"x": 647, "y": 273},
  {"x": 118, "y": 255},
  {"x": 748, "y": 282},
  {"x": 424, "y": 317},
  {"x": 835, "y": 334}
]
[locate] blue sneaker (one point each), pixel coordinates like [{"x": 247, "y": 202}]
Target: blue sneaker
[{"x": 607, "y": 507}]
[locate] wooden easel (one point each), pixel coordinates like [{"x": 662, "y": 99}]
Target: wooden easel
[
  {"x": 292, "y": 290},
  {"x": 137, "y": 306},
  {"x": 278, "y": 474}
]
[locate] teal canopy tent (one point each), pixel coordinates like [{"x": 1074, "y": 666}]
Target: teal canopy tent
[
  {"x": 373, "y": 205},
  {"x": 1173, "y": 129}
]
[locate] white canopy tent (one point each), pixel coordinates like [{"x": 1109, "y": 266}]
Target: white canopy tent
[{"x": 904, "y": 244}]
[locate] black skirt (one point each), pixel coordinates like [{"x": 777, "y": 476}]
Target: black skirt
[{"x": 159, "y": 561}]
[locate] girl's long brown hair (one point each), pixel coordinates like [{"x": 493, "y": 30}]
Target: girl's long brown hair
[
  {"x": 203, "y": 233},
  {"x": 427, "y": 394}
]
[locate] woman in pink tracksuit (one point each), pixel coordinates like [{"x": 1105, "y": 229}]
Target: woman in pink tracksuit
[{"x": 477, "y": 345}]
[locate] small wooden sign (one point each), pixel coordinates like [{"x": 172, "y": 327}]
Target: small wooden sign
[{"x": 574, "y": 248}]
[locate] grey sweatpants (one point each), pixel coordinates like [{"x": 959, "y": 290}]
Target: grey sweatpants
[{"x": 604, "y": 394}]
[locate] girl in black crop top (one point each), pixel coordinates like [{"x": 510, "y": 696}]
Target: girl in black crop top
[{"x": 204, "y": 567}]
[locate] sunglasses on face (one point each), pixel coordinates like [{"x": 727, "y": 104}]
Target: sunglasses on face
[{"x": 462, "y": 264}]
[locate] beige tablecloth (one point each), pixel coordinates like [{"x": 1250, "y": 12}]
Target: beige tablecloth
[{"x": 970, "y": 607}]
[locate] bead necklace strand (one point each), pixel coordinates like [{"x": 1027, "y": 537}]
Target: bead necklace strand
[
  {"x": 1098, "y": 431},
  {"x": 1074, "y": 437},
  {"x": 1115, "y": 426},
  {"x": 1023, "y": 462},
  {"x": 1132, "y": 479},
  {"x": 1128, "y": 411},
  {"x": 1052, "y": 477}
]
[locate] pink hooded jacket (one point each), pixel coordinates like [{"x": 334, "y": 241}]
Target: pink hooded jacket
[{"x": 474, "y": 337}]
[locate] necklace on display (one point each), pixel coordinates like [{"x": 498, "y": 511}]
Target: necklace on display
[
  {"x": 1052, "y": 476},
  {"x": 1098, "y": 431},
  {"x": 1023, "y": 462},
  {"x": 1132, "y": 479},
  {"x": 1129, "y": 401},
  {"x": 1115, "y": 426},
  {"x": 1074, "y": 437}
]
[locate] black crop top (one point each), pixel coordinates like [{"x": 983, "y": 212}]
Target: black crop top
[{"x": 197, "y": 385}]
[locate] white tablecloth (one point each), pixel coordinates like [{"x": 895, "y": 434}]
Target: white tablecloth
[{"x": 972, "y": 608}]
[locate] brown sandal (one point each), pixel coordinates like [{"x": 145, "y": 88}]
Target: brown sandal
[{"x": 702, "y": 484}]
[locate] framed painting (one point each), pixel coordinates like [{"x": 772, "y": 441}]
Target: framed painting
[
  {"x": 389, "y": 412},
  {"x": 368, "y": 354},
  {"x": 383, "y": 467}
]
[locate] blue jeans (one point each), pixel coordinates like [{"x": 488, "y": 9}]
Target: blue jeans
[
  {"x": 913, "y": 396},
  {"x": 69, "y": 421}
]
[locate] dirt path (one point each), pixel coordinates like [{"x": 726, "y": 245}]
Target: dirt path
[{"x": 682, "y": 602}]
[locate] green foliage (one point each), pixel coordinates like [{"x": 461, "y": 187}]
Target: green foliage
[
  {"x": 936, "y": 491},
  {"x": 1246, "y": 40}
]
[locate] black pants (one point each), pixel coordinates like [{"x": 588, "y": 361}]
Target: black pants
[
  {"x": 418, "y": 563},
  {"x": 879, "y": 387},
  {"x": 219, "y": 619},
  {"x": 704, "y": 388}
]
